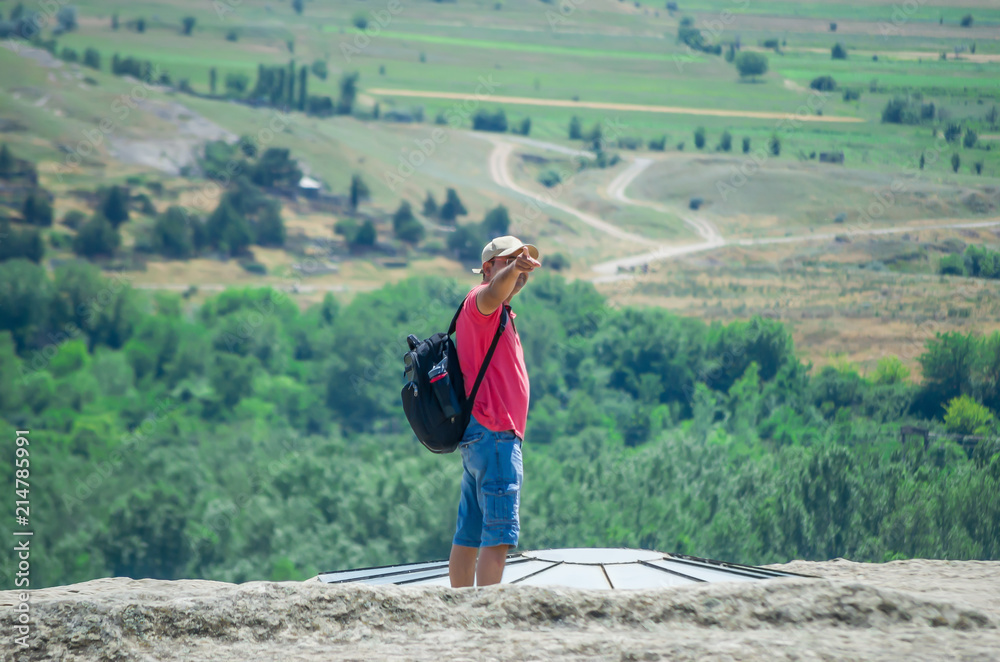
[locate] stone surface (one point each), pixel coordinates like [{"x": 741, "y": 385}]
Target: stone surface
[{"x": 913, "y": 610}]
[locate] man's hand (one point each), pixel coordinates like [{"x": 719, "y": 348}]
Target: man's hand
[
  {"x": 525, "y": 263},
  {"x": 505, "y": 280}
]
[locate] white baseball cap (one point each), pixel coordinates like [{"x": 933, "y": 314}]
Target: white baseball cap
[{"x": 504, "y": 246}]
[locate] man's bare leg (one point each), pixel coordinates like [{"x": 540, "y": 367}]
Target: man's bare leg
[
  {"x": 462, "y": 566},
  {"x": 490, "y": 567}
]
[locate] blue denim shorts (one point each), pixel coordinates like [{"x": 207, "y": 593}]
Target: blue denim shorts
[{"x": 491, "y": 488}]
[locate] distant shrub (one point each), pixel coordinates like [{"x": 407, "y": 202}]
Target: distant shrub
[
  {"x": 966, "y": 21},
  {"x": 823, "y": 83},
  {"x": 232, "y": 35},
  {"x": 750, "y": 64},
  {"x": 956, "y": 162},
  {"x": 898, "y": 110},
  {"x": 360, "y": 21},
  {"x": 140, "y": 25},
  {"x": 963, "y": 415},
  {"x": 952, "y": 132},
  {"x": 187, "y": 25},
  {"x": 485, "y": 120},
  {"x": 969, "y": 141},
  {"x": 838, "y": 52},
  {"x": 69, "y": 55},
  {"x": 890, "y": 370},
  {"x": 557, "y": 262},
  {"x": 627, "y": 142},
  {"x": 952, "y": 265},
  {"x": 73, "y": 219},
  {"x": 549, "y": 178},
  {"x": 852, "y": 94},
  {"x": 237, "y": 84},
  {"x": 833, "y": 27},
  {"x": 695, "y": 203},
  {"x": 92, "y": 58},
  {"x": 771, "y": 43},
  {"x": 978, "y": 167},
  {"x": 774, "y": 145},
  {"x": 575, "y": 129},
  {"x": 699, "y": 137},
  {"x": 726, "y": 142},
  {"x": 840, "y": 218},
  {"x": 37, "y": 210},
  {"x": 657, "y": 144},
  {"x": 522, "y": 128},
  {"x": 253, "y": 267},
  {"x": 318, "y": 67}
]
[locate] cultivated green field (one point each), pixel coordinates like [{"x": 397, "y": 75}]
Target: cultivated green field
[{"x": 598, "y": 51}]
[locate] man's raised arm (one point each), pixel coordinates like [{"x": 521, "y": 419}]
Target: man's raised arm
[{"x": 503, "y": 282}]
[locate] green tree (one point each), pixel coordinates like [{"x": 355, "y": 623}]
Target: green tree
[
  {"x": 750, "y": 64},
  {"x": 726, "y": 141},
  {"x": 890, "y": 370},
  {"x": 452, "y": 207},
  {"x": 348, "y": 93},
  {"x": 365, "y": 236},
  {"x": 952, "y": 265},
  {"x": 405, "y": 225},
  {"x": 774, "y": 144},
  {"x": 956, "y": 162},
  {"x": 319, "y": 69},
  {"x": 746, "y": 145},
  {"x": 187, "y": 25},
  {"x": 303, "y": 88},
  {"x": 298, "y": 6},
  {"x": 37, "y": 209},
  {"x": 96, "y": 238},
  {"x": 212, "y": 78},
  {"x": 430, "y": 205},
  {"x": 8, "y": 165},
  {"x": 497, "y": 222},
  {"x": 967, "y": 21},
  {"x": 969, "y": 141},
  {"x": 92, "y": 58},
  {"x": 963, "y": 415},
  {"x": 823, "y": 83},
  {"x": 175, "y": 235},
  {"x": 838, "y": 52},
  {"x": 359, "y": 191},
  {"x": 575, "y": 129},
  {"x": 699, "y": 137},
  {"x": 114, "y": 206}
]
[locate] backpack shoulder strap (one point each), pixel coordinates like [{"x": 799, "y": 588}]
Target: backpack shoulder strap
[{"x": 489, "y": 354}]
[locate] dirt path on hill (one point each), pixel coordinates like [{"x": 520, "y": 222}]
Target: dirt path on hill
[
  {"x": 602, "y": 105},
  {"x": 612, "y": 270}
]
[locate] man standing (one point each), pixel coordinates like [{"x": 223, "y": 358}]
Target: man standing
[{"x": 488, "y": 523}]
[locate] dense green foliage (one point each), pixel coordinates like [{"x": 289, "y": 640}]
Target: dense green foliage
[{"x": 246, "y": 439}]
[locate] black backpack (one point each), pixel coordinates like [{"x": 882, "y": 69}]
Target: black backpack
[{"x": 434, "y": 395}]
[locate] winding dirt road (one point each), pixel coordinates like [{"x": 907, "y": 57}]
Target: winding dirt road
[{"x": 711, "y": 237}]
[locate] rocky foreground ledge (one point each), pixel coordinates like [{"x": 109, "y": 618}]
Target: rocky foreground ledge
[{"x": 905, "y": 610}]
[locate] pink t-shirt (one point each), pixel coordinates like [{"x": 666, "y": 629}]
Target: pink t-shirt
[{"x": 502, "y": 402}]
